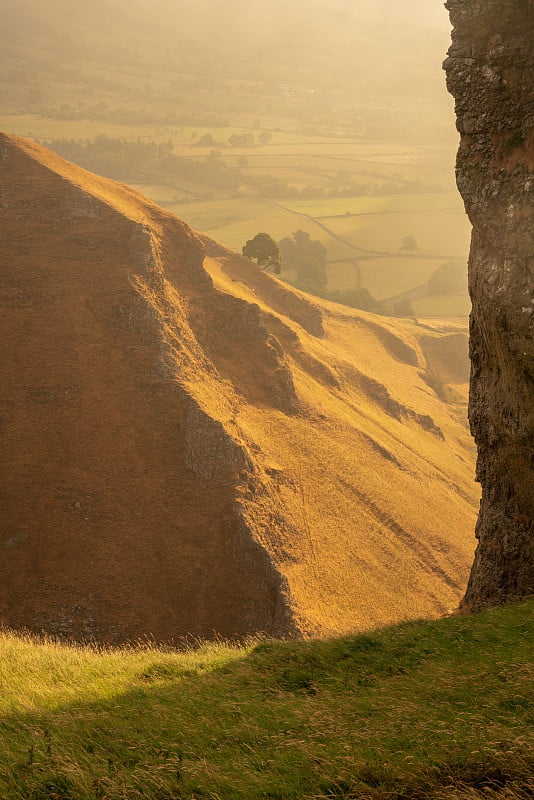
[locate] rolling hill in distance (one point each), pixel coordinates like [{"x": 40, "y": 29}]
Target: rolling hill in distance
[
  {"x": 284, "y": 116},
  {"x": 347, "y": 52},
  {"x": 193, "y": 447}
]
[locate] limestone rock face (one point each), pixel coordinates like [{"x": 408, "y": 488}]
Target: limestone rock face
[{"x": 490, "y": 72}]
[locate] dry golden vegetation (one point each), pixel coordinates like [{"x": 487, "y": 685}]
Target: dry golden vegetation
[{"x": 244, "y": 457}]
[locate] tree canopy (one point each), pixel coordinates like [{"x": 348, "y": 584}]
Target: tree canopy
[
  {"x": 264, "y": 250},
  {"x": 409, "y": 244},
  {"x": 308, "y": 258}
]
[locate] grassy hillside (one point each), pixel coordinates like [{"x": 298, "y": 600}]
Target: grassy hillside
[
  {"x": 421, "y": 710},
  {"x": 123, "y": 514}
]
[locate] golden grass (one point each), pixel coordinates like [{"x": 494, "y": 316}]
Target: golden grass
[
  {"x": 351, "y": 470},
  {"x": 342, "y": 430}
]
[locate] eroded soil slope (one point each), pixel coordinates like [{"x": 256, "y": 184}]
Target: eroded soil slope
[{"x": 191, "y": 447}]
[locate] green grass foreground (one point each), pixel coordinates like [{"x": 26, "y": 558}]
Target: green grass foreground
[{"x": 438, "y": 709}]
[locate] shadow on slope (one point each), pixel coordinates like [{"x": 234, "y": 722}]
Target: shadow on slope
[{"x": 191, "y": 446}]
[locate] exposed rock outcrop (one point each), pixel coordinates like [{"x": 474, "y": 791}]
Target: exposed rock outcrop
[{"x": 490, "y": 72}]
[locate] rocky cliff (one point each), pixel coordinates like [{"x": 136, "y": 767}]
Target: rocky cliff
[{"x": 490, "y": 72}]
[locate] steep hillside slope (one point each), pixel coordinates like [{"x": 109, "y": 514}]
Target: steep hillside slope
[{"x": 190, "y": 447}]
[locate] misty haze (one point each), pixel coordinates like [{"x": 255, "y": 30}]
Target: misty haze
[
  {"x": 238, "y": 419},
  {"x": 247, "y": 117}
]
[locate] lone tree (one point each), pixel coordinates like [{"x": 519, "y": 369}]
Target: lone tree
[{"x": 264, "y": 250}]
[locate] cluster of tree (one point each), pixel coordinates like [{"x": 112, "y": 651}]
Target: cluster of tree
[
  {"x": 146, "y": 162},
  {"x": 246, "y": 139},
  {"x": 408, "y": 245},
  {"x": 272, "y": 187},
  {"x": 363, "y": 299},
  {"x": 207, "y": 140},
  {"x": 307, "y": 258},
  {"x": 357, "y": 298},
  {"x": 241, "y": 139}
]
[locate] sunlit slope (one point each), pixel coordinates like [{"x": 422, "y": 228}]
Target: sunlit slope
[
  {"x": 376, "y": 470},
  {"x": 190, "y": 446}
]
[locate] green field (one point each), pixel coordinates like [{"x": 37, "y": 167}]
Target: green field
[
  {"x": 432, "y": 710},
  {"x": 232, "y": 222},
  {"x": 388, "y": 277},
  {"x": 438, "y": 233}
]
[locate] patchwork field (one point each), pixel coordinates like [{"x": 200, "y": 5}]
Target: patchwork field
[{"x": 393, "y": 192}]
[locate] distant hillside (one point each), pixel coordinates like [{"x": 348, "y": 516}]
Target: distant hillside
[
  {"x": 190, "y": 446},
  {"x": 322, "y": 62}
]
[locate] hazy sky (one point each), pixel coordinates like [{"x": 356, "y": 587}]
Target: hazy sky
[{"x": 422, "y": 10}]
